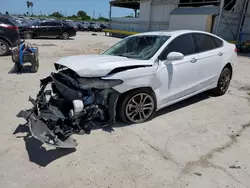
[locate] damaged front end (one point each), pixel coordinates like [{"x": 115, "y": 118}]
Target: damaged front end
[{"x": 68, "y": 104}]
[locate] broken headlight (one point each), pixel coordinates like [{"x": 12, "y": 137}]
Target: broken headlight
[{"x": 99, "y": 83}]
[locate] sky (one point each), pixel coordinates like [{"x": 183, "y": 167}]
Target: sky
[{"x": 68, "y": 7}]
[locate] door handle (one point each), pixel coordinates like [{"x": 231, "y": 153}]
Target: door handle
[
  {"x": 220, "y": 54},
  {"x": 194, "y": 60}
]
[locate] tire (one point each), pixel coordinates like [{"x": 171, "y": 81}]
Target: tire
[
  {"x": 35, "y": 66},
  {"x": 28, "y": 35},
  {"x": 223, "y": 82},
  {"x": 4, "y": 48},
  {"x": 127, "y": 108},
  {"x": 65, "y": 35}
]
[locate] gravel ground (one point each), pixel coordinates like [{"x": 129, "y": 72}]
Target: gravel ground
[{"x": 200, "y": 142}]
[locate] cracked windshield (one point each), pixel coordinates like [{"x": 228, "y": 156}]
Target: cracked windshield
[{"x": 138, "y": 47}]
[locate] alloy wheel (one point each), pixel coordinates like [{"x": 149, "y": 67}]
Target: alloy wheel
[
  {"x": 225, "y": 81},
  {"x": 65, "y": 35},
  {"x": 28, "y": 36},
  {"x": 140, "y": 107}
]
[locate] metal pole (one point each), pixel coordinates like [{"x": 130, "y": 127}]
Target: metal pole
[
  {"x": 222, "y": 2},
  {"x": 242, "y": 20},
  {"x": 149, "y": 17},
  {"x": 110, "y": 15}
]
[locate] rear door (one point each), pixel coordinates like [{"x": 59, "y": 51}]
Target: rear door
[
  {"x": 56, "y": 29},
  {"x": 210, "y": 51}
]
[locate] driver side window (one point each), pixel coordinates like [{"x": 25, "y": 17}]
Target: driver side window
[
  {"x": 45, "y": 24},
  {"x": 183, "y": 44}
]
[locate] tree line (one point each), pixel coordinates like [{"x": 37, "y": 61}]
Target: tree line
[{"x": 81, "y": 15}]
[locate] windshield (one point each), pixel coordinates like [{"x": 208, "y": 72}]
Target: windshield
[{"x": 138, "y": 47}]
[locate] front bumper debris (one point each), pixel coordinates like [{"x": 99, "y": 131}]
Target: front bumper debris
[
  {"x": 40, "y": 130},
  {"x": 53, "y": 118}
]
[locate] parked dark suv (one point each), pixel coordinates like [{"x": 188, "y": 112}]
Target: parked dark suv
[
  {"x": 47, "y": 28},
  {"x": 9, "y": 35}
]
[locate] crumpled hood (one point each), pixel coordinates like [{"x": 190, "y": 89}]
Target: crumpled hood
[{"x": 98, "y": 65}]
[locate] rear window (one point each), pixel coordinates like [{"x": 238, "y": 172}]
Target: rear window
[
  {"x": 218, "y": 42},
  {"x": 55, "y": 24},
  {"x": 4, "y": 20},
  {"x": 204, "y": 42}
]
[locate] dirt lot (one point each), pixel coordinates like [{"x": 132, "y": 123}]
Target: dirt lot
[{"x": 201, "y": 142}]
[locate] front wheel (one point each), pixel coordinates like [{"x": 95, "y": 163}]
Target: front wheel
[
  {"x": 137, "y": 106},
  {"x": 223, "y": 82}
]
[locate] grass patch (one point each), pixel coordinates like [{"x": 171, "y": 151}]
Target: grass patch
[{"x": 120, "y": 32}]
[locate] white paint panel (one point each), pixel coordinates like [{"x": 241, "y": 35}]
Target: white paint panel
[
  {"x": 196, "y": 22},
  {"x": 161, "y": 12},
  {"x": 144, "y": 10}
]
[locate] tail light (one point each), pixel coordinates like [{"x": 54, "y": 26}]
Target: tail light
[
  {"x": 235, "y": 50},
  {"x": 11, "y": 27}
]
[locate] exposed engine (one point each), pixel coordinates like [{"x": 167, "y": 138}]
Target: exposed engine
[{"x": 71, "y": 105}]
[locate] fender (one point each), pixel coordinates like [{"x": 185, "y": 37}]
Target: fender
[
  {"x": 7, "y": 40},
  {"x": 136, "y": 78}
]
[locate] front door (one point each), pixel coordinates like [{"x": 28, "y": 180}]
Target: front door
[
  {"x": 44, "y": 29},
  {"x": 179, "y": 78}
]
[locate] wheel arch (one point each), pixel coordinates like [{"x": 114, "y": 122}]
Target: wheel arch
[
  {"x": 121, "y": 102},
  {"x": 6, "y": 40},
  {"x": 148, "y": 88},
  {"x": 230, "y": 67},
  {"x": 65, "y": 31}
]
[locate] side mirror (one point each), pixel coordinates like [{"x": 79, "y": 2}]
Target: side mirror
[{"x": 172, "y": 56}]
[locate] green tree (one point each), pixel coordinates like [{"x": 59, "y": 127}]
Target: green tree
[
  {"x": 102, "y": 19},
  {"x": 81, "y": 13},
  {"x": 57, "y": 15},
  {"x": 85, "y": 18},
  {"x": 31, "y": 7},
  {"x": 28, "y": 3}
]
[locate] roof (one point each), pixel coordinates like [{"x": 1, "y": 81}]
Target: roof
[
  {"x": 209, "y": 10},
  {"x": 132, "y": 4},
  {"x": 172, "y": 33},
  {"x": 166, "y": 32}
]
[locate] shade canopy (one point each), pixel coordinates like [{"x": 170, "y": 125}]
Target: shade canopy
[{"x": 132, "y": 4}]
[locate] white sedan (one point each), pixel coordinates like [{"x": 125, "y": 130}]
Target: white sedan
[{"x": 133, "y": 79}]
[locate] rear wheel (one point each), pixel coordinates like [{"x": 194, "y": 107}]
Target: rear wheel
[
  {"x": 27, "y": 35},
  {"x": 65, "y": 35},
  {"x": 137, "y": 106},
  {"x": 223, "y": 82},
  {"x": 4, "y": 48}
]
